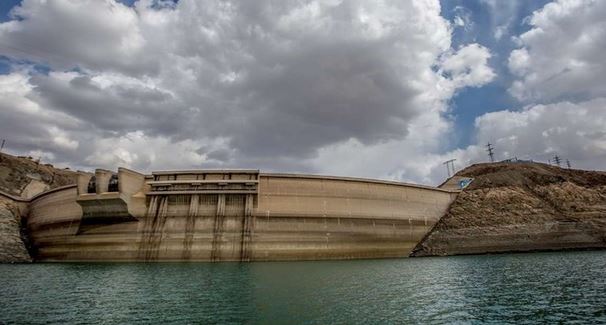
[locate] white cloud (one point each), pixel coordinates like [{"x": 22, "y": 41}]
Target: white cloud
[
  {"x": 573, "y": 131},
  {"x": 519, "y": 62},
  {"x": 272, "y": 85},
  {"x": 100, "y": 34},
  {"x": 62, "y": 139},
  {"x": 459, "y": 21},
  {"x": 147, "y": 153},
  {"x": 468, "y": 66},
  {"x": 562, "y": 54},
  {"x": 560, "y": 72},
  {"x": 24, "y": 121},
  {"x": 350, "y": 88}
]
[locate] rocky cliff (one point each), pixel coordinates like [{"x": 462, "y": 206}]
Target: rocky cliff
[
  {"x": 12, "y": 246},
  {"x": 522, "y": 207},
  {"x": 22, "y": 178}
]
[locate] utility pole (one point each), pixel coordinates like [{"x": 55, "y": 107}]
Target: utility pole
[
  {"x": 450, "y": 165},
  {"x": 557, "y": 160},
  {"x": 2, "y": 147},
  {"x": 490, "y": 151}
]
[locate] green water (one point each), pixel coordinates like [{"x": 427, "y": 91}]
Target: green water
[{"x": 512, "y": 288}]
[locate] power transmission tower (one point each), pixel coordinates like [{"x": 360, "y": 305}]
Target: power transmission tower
[
  {"x": 557, "y": 160},
  {"x": 568, "y": 164},
  {"x": 450, "y": 165},
  {"x": 490, "y": 151}
]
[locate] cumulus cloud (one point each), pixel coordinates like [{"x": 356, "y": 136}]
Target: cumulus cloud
[
  {"x": 468, "y": 66},
  {"x": 573, "y": 131},
  {"x": 560, "y": 66},
  {"x": 350, "y": 88},
  {"x": 138, "y": 149},
  {"x": 97, "y": 34},
  {"x": 559, "y": 74},
  {"x": 273, "y": 85},
  {"x": 561, "y": 56},
  {"x": 30, "y": 126}
]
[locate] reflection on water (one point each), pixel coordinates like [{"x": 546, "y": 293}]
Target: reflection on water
[{"x": 515, "y": 288}]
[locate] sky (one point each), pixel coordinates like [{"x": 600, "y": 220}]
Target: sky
[{"x": 379, "y": 89}]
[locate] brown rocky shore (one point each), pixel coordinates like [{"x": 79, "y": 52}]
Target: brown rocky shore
[
  {"x": 12, "y": 246},
  {"x": 22, "y": 178},
  {"x": 516, "y": 207}
]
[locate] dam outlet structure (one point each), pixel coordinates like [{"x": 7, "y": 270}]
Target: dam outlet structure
[{"x": 230, "y": 215}]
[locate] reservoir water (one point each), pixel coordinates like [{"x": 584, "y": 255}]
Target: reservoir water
[{"x": 509, "y": 288}]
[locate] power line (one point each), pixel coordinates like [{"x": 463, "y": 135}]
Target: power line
[{"x": 490, "y": 151}]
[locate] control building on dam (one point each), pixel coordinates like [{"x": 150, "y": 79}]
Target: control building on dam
[{"x": 230, "y": 215}]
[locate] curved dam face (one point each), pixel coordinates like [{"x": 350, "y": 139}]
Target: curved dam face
[{"x": 230, "y": 215}]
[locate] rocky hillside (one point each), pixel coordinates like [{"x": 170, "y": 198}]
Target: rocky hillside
[
  {"x": 22, "y": 177},
  {"x": 522, "y": 207}
]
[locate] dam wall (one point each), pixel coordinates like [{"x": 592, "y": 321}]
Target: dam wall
[{"x": 230, "y": 215}]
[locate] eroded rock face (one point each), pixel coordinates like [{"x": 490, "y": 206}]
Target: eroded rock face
[
  {"x": 22, "y": 178},
  {"x": 522, "y": 207},
  {"x": 12, "y": 247}
]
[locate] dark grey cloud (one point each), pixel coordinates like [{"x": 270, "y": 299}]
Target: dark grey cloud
[
  {"x": 117, "y": 108},
  {"x": 227, "y": 83},
  {"x": 325, "y": 94}
]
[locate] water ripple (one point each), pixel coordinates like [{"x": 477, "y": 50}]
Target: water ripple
[{"x": 500, "y": 289}]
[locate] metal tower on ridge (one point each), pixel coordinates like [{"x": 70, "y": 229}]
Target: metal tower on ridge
[{"x": 490, "y": 151}]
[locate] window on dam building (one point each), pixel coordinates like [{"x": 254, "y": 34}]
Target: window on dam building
[
  {"x": 92, "y": 185},
  {"x": 113, "y": 184}
]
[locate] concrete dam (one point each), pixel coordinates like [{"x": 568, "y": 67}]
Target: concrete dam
[{"x": 230, "y": 215}]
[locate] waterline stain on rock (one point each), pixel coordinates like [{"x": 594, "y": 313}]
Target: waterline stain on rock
[{"x": 522, "y": 207}]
